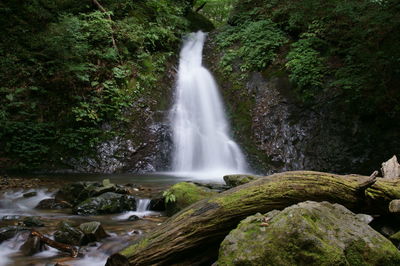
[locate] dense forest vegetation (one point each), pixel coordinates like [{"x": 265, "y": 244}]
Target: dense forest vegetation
[
  {"x": 341, "y": 58},
  {"x": 68, "y": 67},
  {"x": 345, "y": 49},
  {"x": 71, "y": 71}
]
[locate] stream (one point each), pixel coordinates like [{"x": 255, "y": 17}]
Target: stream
[{"x": 14, "y": 207}]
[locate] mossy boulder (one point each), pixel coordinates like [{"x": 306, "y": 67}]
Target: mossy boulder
[
  {"x": 308, "y": 233},
  {"x": 33, "y": 221},
  {"x": 105, "y": 204},
  {"x": 183, "y": 194},
  {"x": 237, "y": 180},
  {"x": 75, "y": 193},
  {"x": 66, "y": 233},
  {"x": 93, "y": 231}
]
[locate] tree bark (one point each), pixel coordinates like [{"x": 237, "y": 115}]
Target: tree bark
[
  {"x": 381, "y": 193},
  {"x": 185, "y": 237},
  {"x": 57, "y": 245}
]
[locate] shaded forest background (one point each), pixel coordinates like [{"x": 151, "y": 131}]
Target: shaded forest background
[{"x": 72, "y": 73}]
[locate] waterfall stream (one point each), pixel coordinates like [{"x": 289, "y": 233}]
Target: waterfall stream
[{"x": 202, "y": 145}]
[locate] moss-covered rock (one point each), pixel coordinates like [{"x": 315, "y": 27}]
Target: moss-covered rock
[
  {"x": 106, "y": 203},
  {"x": 237, "y": 180},
  {"x": 184, "y": 194},
  {"x": 308, "y": 233},
  {"x": 93, "y": 231},
  {"x": 66, "y": 233}
]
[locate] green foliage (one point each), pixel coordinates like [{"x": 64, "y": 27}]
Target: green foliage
[
  {"x": 345, "y": 52},
  {"x": 307, "y": 67},
  {"x": 215, "y": 10},
  {"x": 62, "y": 78},
  {"x": 169, "y": 196},
  {"x": 258, "y": 43}
]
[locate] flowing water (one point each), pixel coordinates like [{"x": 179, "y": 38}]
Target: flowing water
[
  {"x": 202, "y": 145},
  {"x": 15, "y": 205}
]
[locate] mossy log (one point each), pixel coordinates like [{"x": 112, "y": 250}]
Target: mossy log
[
  {"x": 199, "y": 229},
  {"x": 381, "y": 192}
]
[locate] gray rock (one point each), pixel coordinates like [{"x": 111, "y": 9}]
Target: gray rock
[
  {"x": 53, "y": 204},
  {"x": 30, "y": 194},
  {"x": 67, "y": 234},
  {"x": 32, "y": 246},
  {"x": 394, "y": 206},
  {"x": 391, "y": 168},
  {"x": 237, "y": 180},
  {"x": 364, "y": 218},
  {"x": 93, "y": 231},
  {"x": 33, "y": 221},
  {"x": 133, "y": 218},
  {"x": 307, "y": 233},
  {"x": 11, "y": 231},
  {"x": 105, "y": 204}
]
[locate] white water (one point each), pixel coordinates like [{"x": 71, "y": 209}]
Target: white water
[
  {"x": 142, "y": 209},
  {"x": 14, "y": 203},
  {"x": 202, "y": 145}
]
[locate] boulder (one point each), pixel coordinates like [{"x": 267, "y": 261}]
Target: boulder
[
  {"x": 30, "y": 194},
  {"x": 184, "y": 194},
  {"x": 68, "y": 234},
  {"x": 93, "y": 231},
  {"x": 33, "y": 221},
  {"x": 32, "y": 246},
  {"x": 133, "y": 218},
  {"x": 77, "y": 192},
  {"x": 237, "y": 180},
  {"x": 308, "y": 233},
  {"x": 11, "y": 231},
  {"x": 394, "y": 206},
  {"x": 105, "y": 204},
  {"x": 391, "y": 168},
  {"x": 53, "y": 204}
]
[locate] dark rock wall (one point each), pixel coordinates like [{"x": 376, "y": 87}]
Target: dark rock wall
[{"x": 280, "y": 133}]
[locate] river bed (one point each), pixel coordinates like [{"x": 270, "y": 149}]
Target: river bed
[{"x": 14, "y": 207}]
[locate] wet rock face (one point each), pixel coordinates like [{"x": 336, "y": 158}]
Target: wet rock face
[
  {"x": 308, "y": 233},
  {"x": 280, "y": 133},
  {"x": 296, "y": 137}
]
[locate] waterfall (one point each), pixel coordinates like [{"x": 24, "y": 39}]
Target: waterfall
[
  {"x": 142, "y": 205},
  {"x": 202, "y": 145}
]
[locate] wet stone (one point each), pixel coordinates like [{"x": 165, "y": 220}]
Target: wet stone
[
  {"x": 53, "y": 204},
  {"x": 33, "y": 221},
  {"x": 30, "y": 194},
  {"x": 67, "y": 234},
  {"x": 133, "y": 218},
  {"x": 32, "y": 246},
  {"x": 11, "y": 231},
  {"x": 93, "y": 231}
]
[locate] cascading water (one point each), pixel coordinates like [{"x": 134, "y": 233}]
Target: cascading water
[{"x": 202, "y": 146}]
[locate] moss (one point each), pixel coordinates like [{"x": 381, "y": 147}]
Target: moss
[
  {"x": 131, "y": 249},
  {"x": 186, "y": 194}
]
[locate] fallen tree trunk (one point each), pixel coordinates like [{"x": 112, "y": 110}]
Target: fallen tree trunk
[
  {"x": 381, "y": 193},
  {"x": 57, "y": 245},
  {"x": 185, "y": 237}
]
